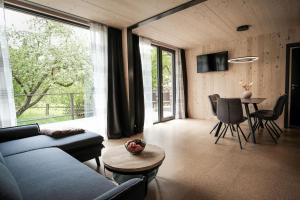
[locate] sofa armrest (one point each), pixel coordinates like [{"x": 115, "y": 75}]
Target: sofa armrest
[
  {"x": 133, "y": 189},
  {"x": 18, "y": 132}
]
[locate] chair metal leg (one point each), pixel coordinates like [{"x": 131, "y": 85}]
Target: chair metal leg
[
  {"x": 237, "y": 130},
  {"x": 238, "y": 126},
  {"x": 231, "y": 130},
  {"x": 269, "y": 131},
  {"x": 258, "y": 122},
  {"x": 274, "y": 130},
  {"x": 225, "y": 130},
  {"x": 214, "y": 128},
  {"x": 261, "y": 125},
  {"x": 218, "y": 129},
  {"x": 221, "y": 134},
  {"x": 256, "y": 125},
  {"x": 218, "y": 138},
  {"x": 248, "y": 136},
  {"x": 277, "y": 126}
]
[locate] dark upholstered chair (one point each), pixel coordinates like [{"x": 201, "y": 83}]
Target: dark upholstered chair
[
  {"x": 213, "y": 102},
  {"x": 269, "y": 117},
  {"x": 230, "y": 112}
]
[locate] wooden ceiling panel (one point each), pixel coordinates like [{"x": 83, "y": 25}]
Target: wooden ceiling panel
[
  {"x": 217, "y": 20},
  {"x": 212, "y": 20},
  {"x": 117, "y": 13}
]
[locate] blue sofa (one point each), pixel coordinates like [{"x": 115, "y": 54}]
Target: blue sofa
[{"x": 34, "y": 166}]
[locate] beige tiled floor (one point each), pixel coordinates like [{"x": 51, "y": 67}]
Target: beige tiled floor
[{"x": 196, "y": 168}]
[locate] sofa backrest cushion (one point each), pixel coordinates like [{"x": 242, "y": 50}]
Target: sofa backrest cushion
[
  {"x": 2, "y": 159},
  {"x": 9, "y": 189},
  {"x": 19, "y": 132}
]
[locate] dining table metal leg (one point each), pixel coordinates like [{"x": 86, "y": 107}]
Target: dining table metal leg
[{"x": 250, "y": 122}]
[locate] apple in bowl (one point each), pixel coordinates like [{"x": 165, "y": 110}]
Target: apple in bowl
[{"x": 135, "y": 146}]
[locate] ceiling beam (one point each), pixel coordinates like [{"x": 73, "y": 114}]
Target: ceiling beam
[{"x": 167, "y": 13}]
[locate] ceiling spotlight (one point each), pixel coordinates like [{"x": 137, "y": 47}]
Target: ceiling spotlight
[{"x": 245, "y": 59}]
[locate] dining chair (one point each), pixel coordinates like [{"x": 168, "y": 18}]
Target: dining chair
[
  {"x": 213, "y": 102},
  {"x": 230, "y": 112},
  {"x": 269, "y": 117}
]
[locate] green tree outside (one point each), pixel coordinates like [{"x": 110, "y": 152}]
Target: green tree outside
[
  {"x": 48, "y": 58},
  {"x": 166, "y": 67}
]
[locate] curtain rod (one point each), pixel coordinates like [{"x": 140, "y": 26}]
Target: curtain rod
[{"x": 48, "y": 12}]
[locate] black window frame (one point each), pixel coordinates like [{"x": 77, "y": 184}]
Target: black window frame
[
  {"x": 47, "y": 13},
  {"x": 159, "y": 50}
]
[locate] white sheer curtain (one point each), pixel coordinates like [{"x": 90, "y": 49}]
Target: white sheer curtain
[
  {"x": 7, "y": 104},
  {"x": 145, "y": 51},
  {"x": 99, "y": 57},
  {"x": 180, "y": 102}
]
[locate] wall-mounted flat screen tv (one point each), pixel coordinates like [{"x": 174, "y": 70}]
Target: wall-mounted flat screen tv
[{"x": 212, "y": 62}]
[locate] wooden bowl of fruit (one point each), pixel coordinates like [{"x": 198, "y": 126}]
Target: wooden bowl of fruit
[{"x": 135, "y": 146}]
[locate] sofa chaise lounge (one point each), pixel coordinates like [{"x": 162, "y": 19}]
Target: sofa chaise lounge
[{"x": 34, "y": 166}]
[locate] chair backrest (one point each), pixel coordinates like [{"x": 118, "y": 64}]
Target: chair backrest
[
  {"x": 278, "y": 108},
  {"x": 213, "y": 99},
  {"x": 230, "y": 111}
]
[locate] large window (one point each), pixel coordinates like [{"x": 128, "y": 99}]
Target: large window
[
  {"x": 163, "y": 84},
  {"x": 52, "y": 74}
]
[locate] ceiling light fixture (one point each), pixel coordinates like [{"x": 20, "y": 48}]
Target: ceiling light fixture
[
  {"x": 243, "y": 28},
  {"x": 245, "y": 59}
]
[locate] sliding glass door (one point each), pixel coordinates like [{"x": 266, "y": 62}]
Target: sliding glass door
[
  {"x": 167, "y": 84},
  {"x": 163, "y": 84}
]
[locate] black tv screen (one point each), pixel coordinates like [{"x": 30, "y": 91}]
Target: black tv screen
[{"x": 212, "y": 62}]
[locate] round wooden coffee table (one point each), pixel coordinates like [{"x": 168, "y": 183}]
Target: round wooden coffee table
[{"x": 124, "y": 164}]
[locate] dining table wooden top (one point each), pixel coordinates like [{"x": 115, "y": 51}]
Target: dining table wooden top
[{"x": 253, "y": 100}]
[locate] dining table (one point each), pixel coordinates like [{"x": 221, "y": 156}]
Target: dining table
[{"x": 246, "y": 103}]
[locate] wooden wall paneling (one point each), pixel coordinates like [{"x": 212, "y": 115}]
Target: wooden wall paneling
[{"x": 268, "y": 73}]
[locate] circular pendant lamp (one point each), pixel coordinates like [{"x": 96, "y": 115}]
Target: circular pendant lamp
[{"x": 244, "y": 59}]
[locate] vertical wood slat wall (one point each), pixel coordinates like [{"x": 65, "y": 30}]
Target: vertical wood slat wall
[{"x": 268, "y": 73}]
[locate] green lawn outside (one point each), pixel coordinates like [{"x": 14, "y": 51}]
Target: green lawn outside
[{"x": 38, "y": 115}]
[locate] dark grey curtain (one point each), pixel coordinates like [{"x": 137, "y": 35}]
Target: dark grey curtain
[
  {"x": 117, "y": 105},
  {"x": 185, "y": 81},
  {"x": 138, "y": 87}
]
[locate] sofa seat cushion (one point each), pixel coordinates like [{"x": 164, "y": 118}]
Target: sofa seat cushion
[
  {"x": 42, "y": 141},
  {"x": 9, "y": 189},
  {"x": 50, "y": 173}
]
